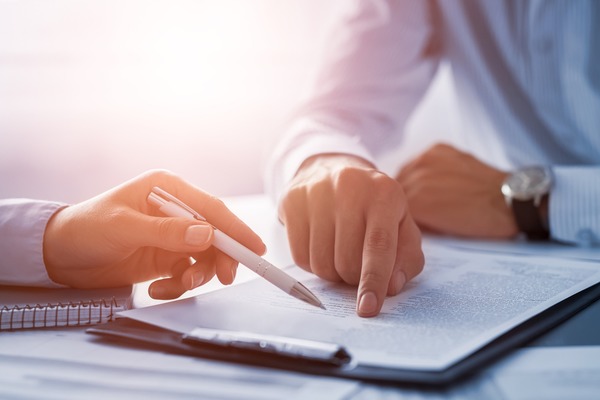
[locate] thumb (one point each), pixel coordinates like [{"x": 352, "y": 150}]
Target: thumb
[{"x": 173, "y": 234}]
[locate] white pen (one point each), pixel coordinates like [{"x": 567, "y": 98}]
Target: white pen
[{"x": 173, "y": 207}]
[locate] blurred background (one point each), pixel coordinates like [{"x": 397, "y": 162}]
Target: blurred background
[{"x": 94, "y": 92}]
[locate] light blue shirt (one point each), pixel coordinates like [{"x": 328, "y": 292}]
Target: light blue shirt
[
  {"x": 22, "y": 226},
  {"x": 527, "y": 79}
]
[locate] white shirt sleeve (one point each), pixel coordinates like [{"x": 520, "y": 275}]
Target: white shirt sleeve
[
  {"x": 574, "y": 205},
  {"x": 22, "y": 226},
  {"x": 374, "y": 74}
]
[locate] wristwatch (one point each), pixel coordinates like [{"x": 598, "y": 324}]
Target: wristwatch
[{"x": 524, "y": 191}]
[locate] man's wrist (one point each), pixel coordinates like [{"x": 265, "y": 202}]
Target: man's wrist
[{"x": 334, "y": 160}]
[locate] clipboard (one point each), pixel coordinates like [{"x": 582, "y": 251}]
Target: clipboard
[{"x": 334, "y": 360}]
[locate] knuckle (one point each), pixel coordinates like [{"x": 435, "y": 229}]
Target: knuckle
[
  {"x": 159, "y": 174},
  {"x": 165, "y": 227},
  {"x": 301, "y": 259},
  {"x": 374, "y": 278},
  {"x": 324, "y": 268},
  {"x": 351, "y": 276},
  {"x": 347, "y": 177},
  {"x": 379, "y": 240},
  {"x": 414, "y": 266},
  {"x": 214, "y": 205}
]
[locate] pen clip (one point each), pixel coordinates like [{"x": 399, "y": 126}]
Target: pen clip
[
  {"x": 280, "y": 347},
  {"x": 160, "y": 196}
]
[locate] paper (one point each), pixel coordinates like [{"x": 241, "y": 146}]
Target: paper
[
  {"x": 458, "y": 304},
  {"x": 69, "y": 364}
]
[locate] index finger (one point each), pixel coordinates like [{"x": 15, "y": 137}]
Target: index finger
[
  {"x": 379, "y": 257},
  {"x": 210, "y": 207}
]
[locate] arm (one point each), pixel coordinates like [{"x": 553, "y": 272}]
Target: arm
[
  {"x": 346, "y": 220},
  {"x": 376, "y": 68},
  {"x": 452, "y": 192},
  {"x": 117, "y": 239}
]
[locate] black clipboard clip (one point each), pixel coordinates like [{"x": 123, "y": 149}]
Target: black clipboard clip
[{"x": 276, "y": 346}]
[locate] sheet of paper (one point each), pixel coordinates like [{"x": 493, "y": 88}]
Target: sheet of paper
[
  {"x": 461, "y": 302},
  {"x": 70, "y": 364}
]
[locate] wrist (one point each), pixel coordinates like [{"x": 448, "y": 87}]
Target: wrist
[
  {"x": 331, "y": 161},
  {"x": 526, "y": 191},
  {"x": 53, "y": 246}
]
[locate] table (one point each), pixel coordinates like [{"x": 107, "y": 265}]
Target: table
[{"x": 67, "y": 363}]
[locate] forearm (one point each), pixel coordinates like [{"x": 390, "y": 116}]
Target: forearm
[
  {"x": 574, "y": 205},
  {"x": 22, "y": 226},
  {"x": 364, "y": 91}
]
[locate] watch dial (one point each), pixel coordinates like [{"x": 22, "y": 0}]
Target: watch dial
[{"x": 528, "y": 183}]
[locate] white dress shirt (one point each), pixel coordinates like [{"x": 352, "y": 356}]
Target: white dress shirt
[
  {"x": 527, "y": 79},
  {"x": 22, "y": 226}
]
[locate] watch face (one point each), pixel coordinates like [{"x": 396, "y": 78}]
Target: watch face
[{"x": 528, "y": 183}]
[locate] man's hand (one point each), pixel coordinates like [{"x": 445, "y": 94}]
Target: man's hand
[
  {"x": 117, "y": 239},
  {"x": 347, "y": 221},
  {"x": 452, "y": 192}
]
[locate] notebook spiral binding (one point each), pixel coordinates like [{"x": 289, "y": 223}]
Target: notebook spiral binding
[{"x": 49, "y": 315}]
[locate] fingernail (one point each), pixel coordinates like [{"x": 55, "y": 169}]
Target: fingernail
[
  {"x": 399, "y": 280},
  {"x": 197, "y": 235},
  {"x": 367, "y": 304},
  {"x": 197, "y": 279}
]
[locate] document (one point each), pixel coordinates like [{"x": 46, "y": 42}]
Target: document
[{"x": 461, "y": 302}]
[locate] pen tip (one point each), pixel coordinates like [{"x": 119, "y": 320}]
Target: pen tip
[{"x": 322, "y": 306}]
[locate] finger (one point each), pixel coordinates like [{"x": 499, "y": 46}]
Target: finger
[
  {"x": 171, "y": 287},
  {"x": 212, "y": 208},
  {"x": 409, "y": 256},
  {"x": 217, "y": 213},
  {"x": 349, "y": 238},
  {"x": 173, "y": 234},
  {"x": 407, "y": 170},
  {"x": 226, "y": 267},
  {"x": 295, "y": 218},
  {"x": 379, "y": 256},
  {"x": 200, "y": 272},
  {"x": 322, "y": 245}
]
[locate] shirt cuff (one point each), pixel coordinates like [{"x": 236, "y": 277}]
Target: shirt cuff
[
  {"x": 22, "y": 226},
  {"x": 574, "y": 205}
]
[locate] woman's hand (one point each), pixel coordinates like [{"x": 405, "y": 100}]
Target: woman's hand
[{"x": 117, "y": 238}]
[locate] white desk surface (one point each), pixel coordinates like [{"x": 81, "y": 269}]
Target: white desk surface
[{"x": 67, "y": 363}]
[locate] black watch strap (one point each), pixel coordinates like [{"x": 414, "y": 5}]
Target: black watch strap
[{"x": 528, "y": 220}]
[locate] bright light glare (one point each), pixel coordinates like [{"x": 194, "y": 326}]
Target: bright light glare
[{"x": 94, "y": 92}]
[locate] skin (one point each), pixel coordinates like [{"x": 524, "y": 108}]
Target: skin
[
  {"x": 347, "y": 221},
  {"x": 451, "y": 192},
  {"x": 117, "y": 239}
]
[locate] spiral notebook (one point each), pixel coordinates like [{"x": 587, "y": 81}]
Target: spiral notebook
[{"x": 29, "y": 308}]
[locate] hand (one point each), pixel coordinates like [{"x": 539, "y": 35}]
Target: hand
[
  {"x": 348, "y": 222},
  {"x": 452, "y": 192},
  {"x": 117, "y": 238}
]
